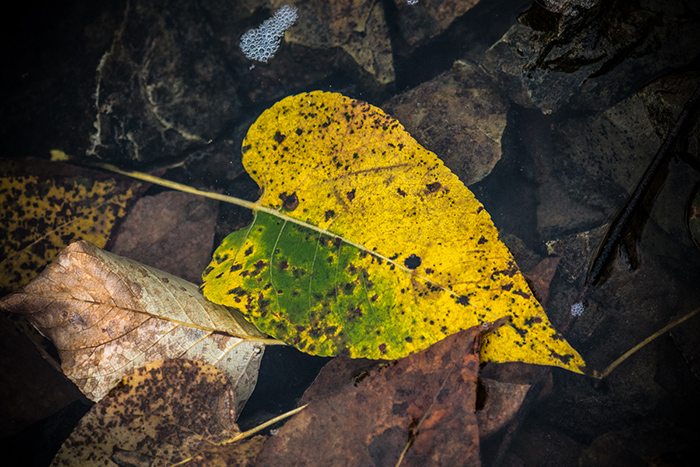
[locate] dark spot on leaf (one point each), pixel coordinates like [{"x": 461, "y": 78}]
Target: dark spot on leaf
[
  {"x": 248, "y": 252},
  {"x": 412, "y": 262},
  {"x": 360, "y": 377},
  {"x": 355, "y": 313},
  {"x": 284, "y": 264},
  {"x": 350, "y": 194},
  {"x": 245, "y": 148},
  {"x": 409, "y": 339},
  {"x": 507, "y": 287},
  {"x": 463, "y": 300},
  {"x": 482, "y": 240},
  {"x": 279, "y": 137},
  {"x": 565, "y": 359},
  {"x": 382, "y": 347},
  {"x": 290, "y": 202},
  {"x": 522, "y": 294},
  {"x": 433, "y": 187},
  {"x": 329, "y": 214},
  {"x": 401, "y": 192},
  {"x": 235, "y": 267}
]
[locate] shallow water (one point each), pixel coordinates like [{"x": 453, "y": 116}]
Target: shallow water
[{"x": 574, "y": 105}]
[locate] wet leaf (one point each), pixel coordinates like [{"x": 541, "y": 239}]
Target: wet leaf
[
  {"x": 241, "y": 454},
  {"x": 503, "y": 400},
  {"x": 45, "y": 206},
  {"x": 171, "y": 231},
  {"x": 108, "y": 315},
  {"x": 161, "y": 414},
  {"x": 541, "y": 276},
  {"x": 420, "y": 409},
  {"x": 427, "y": 18},
  {"x": 357, "y": 27},
  {"x": 365, "y": 244}
]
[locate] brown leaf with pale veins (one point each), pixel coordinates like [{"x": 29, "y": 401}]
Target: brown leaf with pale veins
[
  {"x": 419, "y": 410},
  {"x": 165, "y": 412},
  {"x": 108, "y": 315}
]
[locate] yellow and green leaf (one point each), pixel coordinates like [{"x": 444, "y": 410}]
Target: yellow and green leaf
[{"x": 365, "y": 244}]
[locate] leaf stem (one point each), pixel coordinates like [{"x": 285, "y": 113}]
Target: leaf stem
[
  {"x": 178, "y": 186},
  {"x": 262, "y": 426},
  {"x": 257, "y": 207},
  {"x": 637, "y": 347}
]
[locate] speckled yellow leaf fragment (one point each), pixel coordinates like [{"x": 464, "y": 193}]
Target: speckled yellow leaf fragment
[
  {"x": 365, "y": 244},
  {"x": 45, "y": 206}
]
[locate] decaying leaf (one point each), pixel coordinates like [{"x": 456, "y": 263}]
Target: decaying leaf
[
  {"x": 356, "y": 26},
  {"x": 541, "y": 276},
  {"x": 503, "y": 400},
  {"x": 420, "y": 409},
  {"x": 428, "y": 18},
  {"x": 163, "y": 413},
  {"x": 45, "y": 206},
  {"x": 108, "y": 315},
  {"x": 365, "y": 244},
  {"x": 241, "y": 454},
  {"x": 171, "y": 231}
]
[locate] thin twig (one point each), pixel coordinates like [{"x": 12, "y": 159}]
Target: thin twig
[
  {"x": 262, "y": 426},
  {"x": 637, "y": 347},
  {"x": 248, "y": 433}
]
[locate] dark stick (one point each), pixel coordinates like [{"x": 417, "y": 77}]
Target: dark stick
[{"x": 619, "y": 227}]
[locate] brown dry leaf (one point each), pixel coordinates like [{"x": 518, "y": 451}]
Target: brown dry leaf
[
  {"x": 108, "y": 315},
  {"x": 419, "y": 410},
  {"x": 162, "y": 413}
]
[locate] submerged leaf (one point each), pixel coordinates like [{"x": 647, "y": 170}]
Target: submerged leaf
[
  {"x": 365, "y": 244},
  {"x": 108, "y": 315},
  {"x": 419, "y": 411},
  {"x": 45, "y": 206},
  {"x": 161, "y": 414}
]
